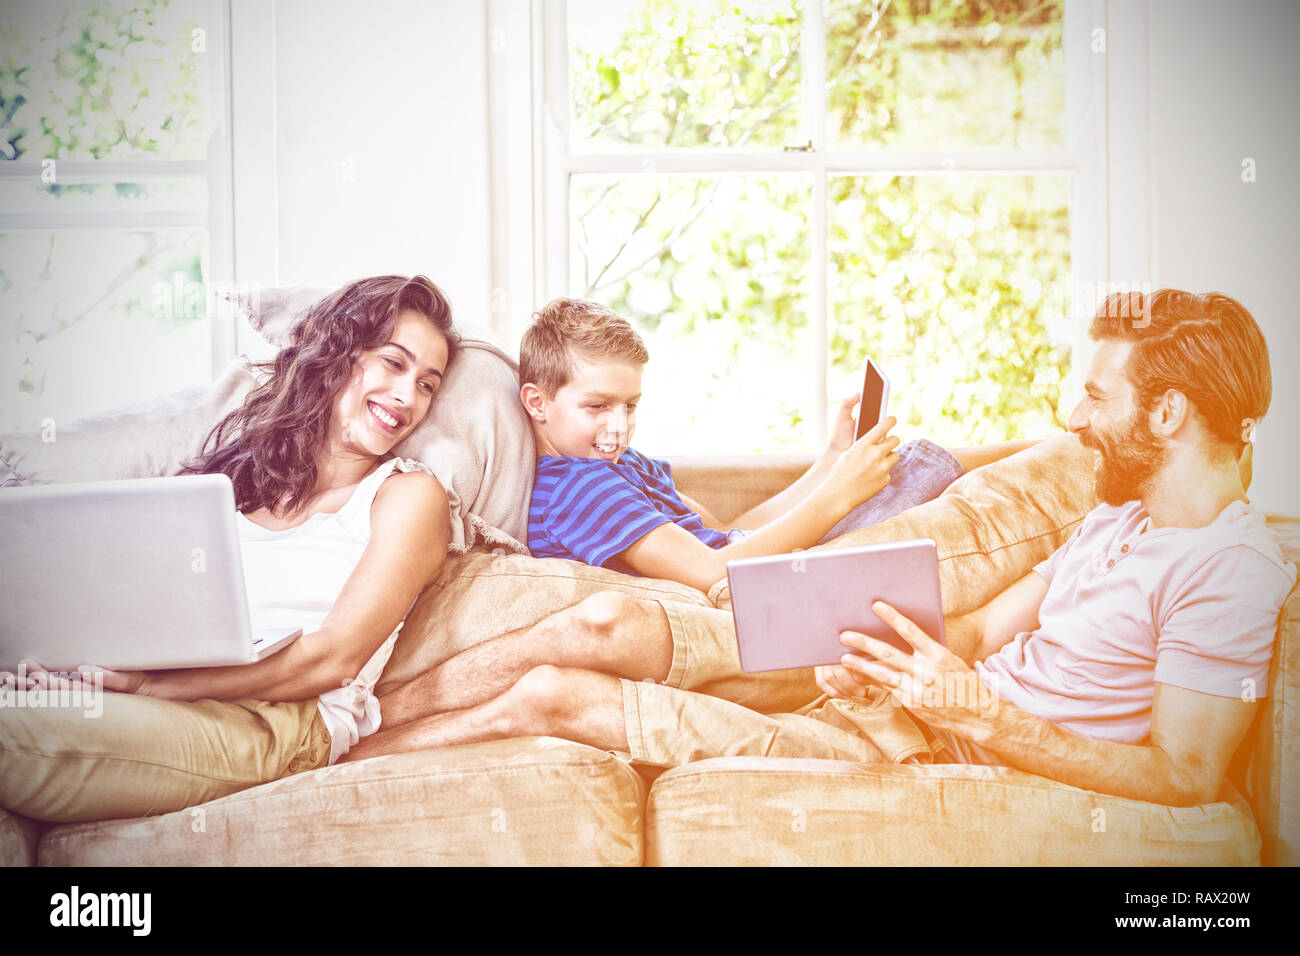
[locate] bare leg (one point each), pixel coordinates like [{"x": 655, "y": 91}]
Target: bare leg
[
  {"x": 607, "y": 632},
  {"x": 972, "y": 458},
  {"x": 578, "y": 705}
]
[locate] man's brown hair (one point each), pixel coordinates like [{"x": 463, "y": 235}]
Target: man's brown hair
[
  {"x": 1206, "y": 346},
  {"x": 565, "y": 327}
]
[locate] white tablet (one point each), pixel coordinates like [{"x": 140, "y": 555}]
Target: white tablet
[{"x": 790, "y": 608}]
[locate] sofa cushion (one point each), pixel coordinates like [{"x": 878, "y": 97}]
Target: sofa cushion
[
  {"x": 534, "y": 801},
  {"x": 765, "y": 810},
  {"x": 19, "y": 837}
]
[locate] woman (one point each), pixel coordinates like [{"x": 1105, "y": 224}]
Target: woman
[{"x": 336, "y": 535}]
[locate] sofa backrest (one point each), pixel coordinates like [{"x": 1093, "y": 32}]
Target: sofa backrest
[{"x": 1272, "y": 776}]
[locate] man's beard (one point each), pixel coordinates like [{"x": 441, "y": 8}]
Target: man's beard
[{"x": 1129, "y": 460}]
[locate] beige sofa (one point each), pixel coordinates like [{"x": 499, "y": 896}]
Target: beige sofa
[{"x": 547, "y": 801}]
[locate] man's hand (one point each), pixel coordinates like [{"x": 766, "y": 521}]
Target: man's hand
[
  {"x": 1193, "y": 735},
  {"x": 840, "y": 681},
  {"x": 932, "y": 682}
]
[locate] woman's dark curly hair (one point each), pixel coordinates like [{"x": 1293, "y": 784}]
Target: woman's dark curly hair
[{"x": 268, "y": 446}]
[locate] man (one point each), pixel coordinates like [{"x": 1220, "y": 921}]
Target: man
[{"x": 1127, "y": 663}]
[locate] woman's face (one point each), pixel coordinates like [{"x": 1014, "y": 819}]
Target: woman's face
[{"x": 391, "y": 386}]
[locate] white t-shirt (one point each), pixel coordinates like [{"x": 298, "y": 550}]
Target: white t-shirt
[
  {"x": 293, "y": 578},
  {"x": 1128, "y": 606}
]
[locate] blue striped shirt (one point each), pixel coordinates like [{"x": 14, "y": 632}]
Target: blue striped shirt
[{"x": 590, "y": 510}]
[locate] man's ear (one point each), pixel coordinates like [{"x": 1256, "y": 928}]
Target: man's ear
[
  {"x": 534, "y": 402},
  {"x": 1171, "y": 411}
]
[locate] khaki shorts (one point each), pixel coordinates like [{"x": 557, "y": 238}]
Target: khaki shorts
[
  {"x": 959, "y": 750},
  {"x": 706, "y": 659},
  {"x": 709, "y": 707},
  {"x": 143, "y": 756}
]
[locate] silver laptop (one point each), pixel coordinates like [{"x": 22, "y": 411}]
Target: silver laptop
[
  {"x": 790, "y": 608},
  {"x": 129, "y": 575}
]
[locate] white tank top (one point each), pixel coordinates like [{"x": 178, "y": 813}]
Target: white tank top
[{"x": 293, "y": 578}]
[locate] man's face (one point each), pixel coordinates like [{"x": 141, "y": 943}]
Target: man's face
[
  {"x": 594, "y": 414},
  {"x": 1109, "y": 421}
]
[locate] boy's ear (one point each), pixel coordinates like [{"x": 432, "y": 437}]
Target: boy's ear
[{"x": 534, "y": 402}]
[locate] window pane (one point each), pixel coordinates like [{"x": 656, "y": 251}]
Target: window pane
[
  {"x": 84, "y": 80},
  {"x": 687, "y": 73},
  {"x": 957, "y": 285},
  {"x": 946, "y": 74},
  {"x": 32, "y": 198},
  {"x": 94, "y": 319},
  {"x": 712, "y": 272}
]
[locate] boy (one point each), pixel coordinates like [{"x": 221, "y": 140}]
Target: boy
[{"x": 597, "y": 500}]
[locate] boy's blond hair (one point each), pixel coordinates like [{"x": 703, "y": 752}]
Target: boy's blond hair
[{"x": 565, "y": 327}]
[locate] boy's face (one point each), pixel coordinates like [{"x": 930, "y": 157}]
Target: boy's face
[{"x": 592, "y": 416}]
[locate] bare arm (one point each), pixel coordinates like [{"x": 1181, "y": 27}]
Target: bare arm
[
  {"x": 410, "y": 525},
  {"x": 986, "y": 630},
  {"x": 769, "y": 510},
  {"x": 706, "y": 516},
  {"x": 841, "y": 438},
  {"x": 1193, "y": 735},
  {"x": 783, "y": 501},
  {"x": 671, "y": 552}
]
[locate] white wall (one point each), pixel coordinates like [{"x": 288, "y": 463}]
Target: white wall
[
  {"x": 400, "y": 89},
  {"x": 1225, "y": 80},
  {"x": 360, "y": 144}
]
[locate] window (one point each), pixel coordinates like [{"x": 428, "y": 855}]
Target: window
[
  {"x": 114, "y": 176},
  {"x": 774, "y": 190}
]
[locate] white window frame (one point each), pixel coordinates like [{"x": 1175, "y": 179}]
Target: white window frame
[
  {"x": 1106, "y": 99},
  {"x": 215, "y": 218}
]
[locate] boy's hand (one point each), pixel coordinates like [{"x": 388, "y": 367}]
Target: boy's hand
[
  {"x": 864, "y": 469},
  {"x": 842, "y": 429}
]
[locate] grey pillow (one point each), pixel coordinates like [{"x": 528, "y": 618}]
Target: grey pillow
[
  {"x": 274, "y": 311},
  {"x": 139, "y": 441}
]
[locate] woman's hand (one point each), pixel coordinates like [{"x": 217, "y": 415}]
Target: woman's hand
[
  {"x": 124, "y": 682},
  {"x": 32, "y": 675}
]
